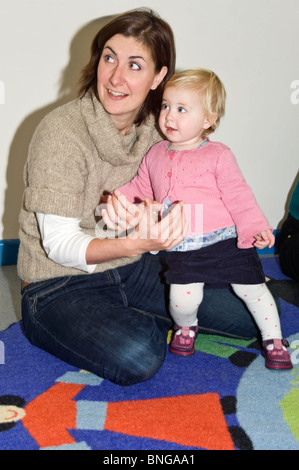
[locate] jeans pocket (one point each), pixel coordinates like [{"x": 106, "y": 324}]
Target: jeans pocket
[{"x": 37, "y": 294}]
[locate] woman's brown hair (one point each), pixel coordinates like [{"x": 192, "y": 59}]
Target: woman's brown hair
[{"x": 153, "y": 32}]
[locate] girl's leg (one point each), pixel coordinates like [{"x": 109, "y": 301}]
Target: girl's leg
[
  {"x": 184, "y": 302},
  {"x": 262, "y": 307},
  {"x": 261, "y": 304}
]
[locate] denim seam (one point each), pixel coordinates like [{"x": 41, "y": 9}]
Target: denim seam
[
  {"x": 124, "y": 297},
  {"x": 52, "y": 289},
  {"x": 31, "y": 286},
  {"x": 109, "y": 277},
  {"x": 153, "y": 315},
  {"x": 116, "y": 275}
]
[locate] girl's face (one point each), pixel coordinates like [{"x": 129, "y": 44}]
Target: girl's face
[
  {"x": 126, "y": 74},
  {"x": 183, "y": 118}
]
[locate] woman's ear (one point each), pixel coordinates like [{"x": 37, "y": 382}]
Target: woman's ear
[{"x": 159, "y": 77}]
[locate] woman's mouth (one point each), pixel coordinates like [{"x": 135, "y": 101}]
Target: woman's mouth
[{"x": 116, "y": 94}]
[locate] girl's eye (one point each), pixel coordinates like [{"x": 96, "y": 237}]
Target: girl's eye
[
  {"x": 164, "y": 107},
  {"x": 181, "y": 110}
]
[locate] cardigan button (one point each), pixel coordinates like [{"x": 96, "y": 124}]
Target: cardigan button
[{"x": 169, "y": 174}]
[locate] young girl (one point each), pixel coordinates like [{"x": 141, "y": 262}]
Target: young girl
[{"x": 222, "y": 249}]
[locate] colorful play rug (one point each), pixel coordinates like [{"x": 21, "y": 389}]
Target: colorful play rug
[{"x": 222, "y": 398}]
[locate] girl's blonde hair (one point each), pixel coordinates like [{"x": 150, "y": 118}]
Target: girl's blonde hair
[{"x": 211, "y": 90}]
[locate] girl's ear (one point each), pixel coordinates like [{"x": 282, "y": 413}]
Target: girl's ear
[
  {"x": 210, "y": 120},
  {"x": 159, "y": 77}
]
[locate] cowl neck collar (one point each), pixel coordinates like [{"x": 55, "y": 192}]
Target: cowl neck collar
[{"x": 113, "y": 147}]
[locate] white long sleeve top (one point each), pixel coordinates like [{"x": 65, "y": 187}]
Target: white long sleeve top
[{"x": 64, "y": 241}]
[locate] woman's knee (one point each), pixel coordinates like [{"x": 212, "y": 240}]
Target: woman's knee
[{"x": 140, "y": 359}]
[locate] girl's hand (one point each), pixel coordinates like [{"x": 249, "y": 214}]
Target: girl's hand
[{"x": 263, "y": 239}]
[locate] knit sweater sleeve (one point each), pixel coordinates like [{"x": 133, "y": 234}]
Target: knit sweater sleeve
[
  {"x": 239, "y": 200},
  {"x": 140, "y": 186},
  {"x": 55, "y": 170}
]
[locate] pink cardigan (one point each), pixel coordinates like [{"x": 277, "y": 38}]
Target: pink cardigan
[{"x": 208, "y": 175}]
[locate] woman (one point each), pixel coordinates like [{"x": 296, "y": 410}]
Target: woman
[
  {"x": 289, "y": 239},
  {"x": 99, "y": 304}
]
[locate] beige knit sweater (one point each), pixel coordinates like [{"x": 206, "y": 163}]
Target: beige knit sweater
[{"x": 75, "y": 155}]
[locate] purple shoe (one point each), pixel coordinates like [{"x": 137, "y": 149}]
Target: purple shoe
[
  {"x": 183, "y": 340},
  {"x": 278, "y": 357}
]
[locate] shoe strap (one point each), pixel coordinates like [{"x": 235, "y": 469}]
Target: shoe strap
[
  {"x": 277, "y": 343},
  {"x": 185, "y": 331}
]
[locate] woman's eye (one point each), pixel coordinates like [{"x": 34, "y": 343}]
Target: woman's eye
[
  {"x": 108, "y": 58},
  {"x": 135, "y": 66}
]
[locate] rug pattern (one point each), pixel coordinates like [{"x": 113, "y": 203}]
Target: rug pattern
[{"x": 232, "y": 402}]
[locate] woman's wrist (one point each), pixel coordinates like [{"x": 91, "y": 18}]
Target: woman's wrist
[{"x": 101, "y": 251}]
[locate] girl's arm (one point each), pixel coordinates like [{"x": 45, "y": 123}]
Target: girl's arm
[{"x": 240, "y": 201}]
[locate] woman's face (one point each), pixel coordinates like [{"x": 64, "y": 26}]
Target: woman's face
[{"x": 126, "y": 74}]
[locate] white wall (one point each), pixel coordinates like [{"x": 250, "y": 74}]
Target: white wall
[{"x": 252, "y": 45}]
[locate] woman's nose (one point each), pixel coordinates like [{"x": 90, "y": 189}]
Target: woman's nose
[{"x": 117, "y": 76}]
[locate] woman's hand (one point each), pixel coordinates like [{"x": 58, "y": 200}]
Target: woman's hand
[
  {"x": 138, "y": 228},
  {"x": 263, "y": 239},
  {"x": 152, "y": 233},
  {"x": 119, "y": 213},
  {"x": 158, "y": 233}
]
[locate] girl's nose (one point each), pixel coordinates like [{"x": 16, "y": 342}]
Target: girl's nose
[{"x": 169, "y": 115}]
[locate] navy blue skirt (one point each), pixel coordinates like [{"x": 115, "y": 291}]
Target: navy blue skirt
[{"x": 220, "y": 264}]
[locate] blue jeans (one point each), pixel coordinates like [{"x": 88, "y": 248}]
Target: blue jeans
[{"x": 115, "y": 324}]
